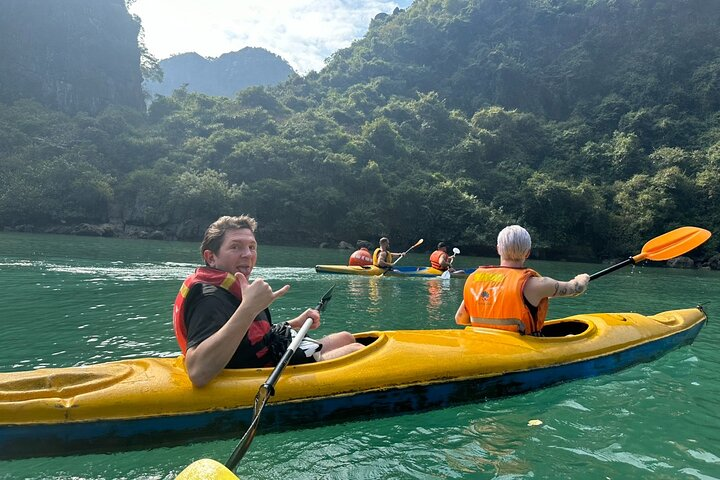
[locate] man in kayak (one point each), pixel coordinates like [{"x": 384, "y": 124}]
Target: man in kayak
[
  {"x": 382, "y": 256},
  {"x": 222, "y": 320},
  {"x": 361, "y": 256},
  {"x": 511, "y": 296},
  {"x": 440, "y": 260}
]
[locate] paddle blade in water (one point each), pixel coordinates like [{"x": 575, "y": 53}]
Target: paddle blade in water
[{"x": 672, "y": 244}]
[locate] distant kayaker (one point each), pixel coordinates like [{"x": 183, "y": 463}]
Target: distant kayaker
[
  {"x": 382, "y": 256},
  {"x": 440, "y": 260},
  {"x": 222, "y": 320},
  {"x": 361, "y": 256},
  {"x": 511, "y": 296}
]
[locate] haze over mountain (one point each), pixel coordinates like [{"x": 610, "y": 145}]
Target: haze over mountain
[{"x": 222, "y": 76}]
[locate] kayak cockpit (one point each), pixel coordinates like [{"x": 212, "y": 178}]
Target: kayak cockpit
[
  {"x": 564, "y": 329},
  {"x": 366, "y": 339}
]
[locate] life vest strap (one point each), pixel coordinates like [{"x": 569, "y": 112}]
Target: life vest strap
[{"x": 502, "y": 323}]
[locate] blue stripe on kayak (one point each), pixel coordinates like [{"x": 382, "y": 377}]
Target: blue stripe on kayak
[{"x": 112, "y": 435}]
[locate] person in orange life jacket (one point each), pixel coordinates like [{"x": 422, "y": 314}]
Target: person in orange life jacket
[
  {"x": 440, "y": 260},
  {"x": 222, "y": 320},
  {"x": 361, "y": 256},
  {"x": 511, "y": 296},
  {"x": 382, "y": 256}
]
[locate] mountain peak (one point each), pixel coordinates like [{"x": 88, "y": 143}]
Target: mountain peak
[{"x": 221, "y": 76}]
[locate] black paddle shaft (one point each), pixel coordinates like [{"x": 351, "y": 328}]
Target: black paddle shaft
[
  {"x": 266, "y": 391},
  {"x": 617, "y": 266}
]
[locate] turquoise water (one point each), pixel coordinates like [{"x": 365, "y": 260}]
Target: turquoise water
[{"x": 72, "y": 301}]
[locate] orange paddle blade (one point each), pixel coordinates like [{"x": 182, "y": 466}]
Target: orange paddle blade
[{"x": 672, "y": 244}]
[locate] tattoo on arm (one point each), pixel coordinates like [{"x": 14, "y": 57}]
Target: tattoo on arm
[
  {"x": 568, "y": 289},
  {"x": 557, "y": 286}
]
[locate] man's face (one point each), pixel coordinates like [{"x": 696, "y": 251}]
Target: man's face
[{"x": 238, "y": 252}]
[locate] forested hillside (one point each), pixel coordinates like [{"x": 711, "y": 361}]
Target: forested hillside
[
  {"x": 594, "y": 123},
  {"x": 222, "y": 76}
]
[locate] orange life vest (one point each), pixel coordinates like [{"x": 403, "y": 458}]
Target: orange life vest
[
  {"x": 206, "y": 275},
  {"x": 361, "y": 257},
  {"x": 376, "y": 254},
  {"x": 435, "y": 260},
  {"x": 494, "y": 298}
]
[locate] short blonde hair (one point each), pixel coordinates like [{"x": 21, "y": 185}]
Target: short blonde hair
[
  {"x": 514, "y": 243},
  {"x": 215, "y": 233}
]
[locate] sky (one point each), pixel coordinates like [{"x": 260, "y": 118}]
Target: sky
[{"x": 303, "y": 32}]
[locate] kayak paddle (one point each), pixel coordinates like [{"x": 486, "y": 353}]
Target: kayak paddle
[
  {"x": 419, "y": 242},
  {"x": 267, "y": 389},
  {"x": 446, "y": 274},
  {"x": 664, "y": 247}
]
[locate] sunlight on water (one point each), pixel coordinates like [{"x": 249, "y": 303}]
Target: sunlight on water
[{"x": 125, "y": 273}]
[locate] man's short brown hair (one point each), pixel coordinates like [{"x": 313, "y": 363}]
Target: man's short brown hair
[{"x": 215, "y": 233}]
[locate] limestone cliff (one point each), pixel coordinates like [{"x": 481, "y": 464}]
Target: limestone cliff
[{"x": 73, "y": 55}]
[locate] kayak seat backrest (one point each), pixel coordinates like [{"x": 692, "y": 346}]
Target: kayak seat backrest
[{"x": 563, "y": 329}]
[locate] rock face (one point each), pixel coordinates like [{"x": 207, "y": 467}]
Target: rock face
[
  {"x": 222, "y": 76},
  {"x": 343, "y": 245},
  {"x": 71, "y": 55},
  {"x": 714, "y": 262},
  {"x": 681, "y": 262}
]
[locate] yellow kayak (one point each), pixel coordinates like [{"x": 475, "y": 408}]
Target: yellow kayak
[
  {"x": 145, "y": 402},
  {"x": 404, "y": 271}
]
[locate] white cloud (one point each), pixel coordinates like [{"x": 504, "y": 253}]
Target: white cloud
[{"x": 303, "y": 32}]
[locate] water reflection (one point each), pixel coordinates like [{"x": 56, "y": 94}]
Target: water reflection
[{"x": 442, "y": 294}]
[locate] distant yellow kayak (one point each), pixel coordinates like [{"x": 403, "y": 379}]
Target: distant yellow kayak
[
  {"x": 404, "y": 271},
  {"x": 144, "y": 402}
]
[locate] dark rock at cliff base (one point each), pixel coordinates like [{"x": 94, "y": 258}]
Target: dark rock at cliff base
[
  {"x": 190, "y": 230},
  {"x": 714, "y": 262},
  {"x": 88, "y": 230},
  {"x": 681, "y": 262}
]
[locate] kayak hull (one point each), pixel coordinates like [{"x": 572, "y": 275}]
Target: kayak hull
[
  {"x": 373, "y": 271},
  {"x": 153, "y": 403}
]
